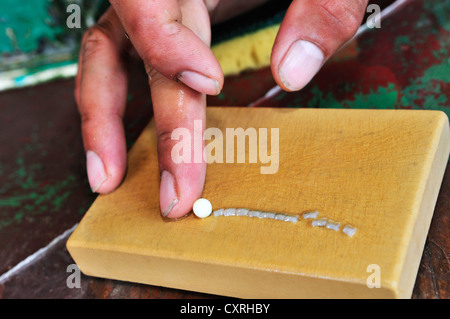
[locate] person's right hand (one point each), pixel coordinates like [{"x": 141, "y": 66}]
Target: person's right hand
[{"x": 172, "y": 38}]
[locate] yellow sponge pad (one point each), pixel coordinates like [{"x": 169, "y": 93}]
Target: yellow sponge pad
[{"x": 250, "y": 51}]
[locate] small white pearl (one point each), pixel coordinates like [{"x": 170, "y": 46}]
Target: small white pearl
[{"x": 202, "y": 208}]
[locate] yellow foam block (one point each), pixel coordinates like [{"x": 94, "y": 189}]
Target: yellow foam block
[
  {"x": 249, "y": 51},
  {"x": 378, "y": 170}
]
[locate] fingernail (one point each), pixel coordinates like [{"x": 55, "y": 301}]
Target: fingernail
[
  {"x": 199, "y": 82},
  {"x": 95, "y": 170},
  {"x": 302, "y": 61},
  {"x": 168, "y": 196}
]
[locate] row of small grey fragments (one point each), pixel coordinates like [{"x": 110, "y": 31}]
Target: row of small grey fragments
[{"x": 349, "y": 230}]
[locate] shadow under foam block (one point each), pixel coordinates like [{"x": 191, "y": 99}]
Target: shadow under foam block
[{"x": 378, "y": 170}]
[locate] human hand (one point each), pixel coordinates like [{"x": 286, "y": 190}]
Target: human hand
[{"x": 172, "y": 38}]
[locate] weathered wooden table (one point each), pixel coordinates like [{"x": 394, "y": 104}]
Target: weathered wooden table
[{"x": 44, "y": 190}]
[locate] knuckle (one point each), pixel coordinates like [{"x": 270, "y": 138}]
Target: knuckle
[
  {"x": 105, "y": 25},
  {"x": 93, "y": 41},
  {"x": 160, "y": 45},
  {"x": 345, "y": 16},
  {"x": 143, "y": 28}
]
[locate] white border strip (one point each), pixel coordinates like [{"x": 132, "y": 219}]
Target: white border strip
[
  {"x": 36, "y": 256},
  {"x": 20, "y": 78}
]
